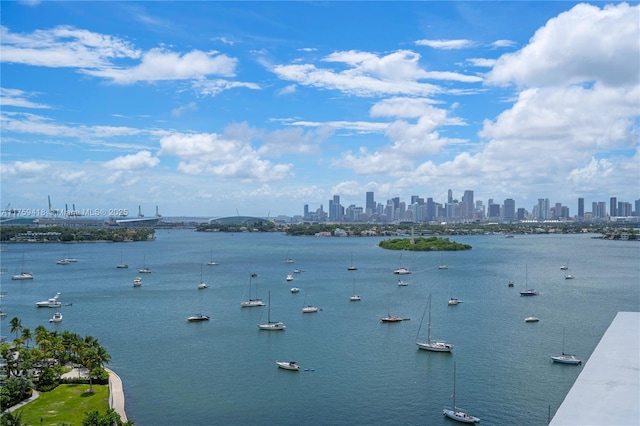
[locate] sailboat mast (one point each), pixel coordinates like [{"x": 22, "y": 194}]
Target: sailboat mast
[
  {"x": 454, "y": 387},
  {"x": 429, "y": 325}
]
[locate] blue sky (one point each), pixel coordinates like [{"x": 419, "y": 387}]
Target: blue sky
[{"x": 219, "y": 108}]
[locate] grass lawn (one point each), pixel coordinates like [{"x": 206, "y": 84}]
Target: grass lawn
[{"x": 66, "y": 404}]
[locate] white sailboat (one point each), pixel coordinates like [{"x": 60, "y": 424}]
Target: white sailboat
[
  {"x": 566, "y": 358},
  {"x": 355, "y": 297},
  {"x": 144, "y": 269},
  {"x": 212, "y": 262},
  {"x": 455, "y": 414},
  {"x": 271, "y": 325},
  {"x": 308, "y": 309},
  {"x": 442, "y": 265},
  {"x": 351, "y": 267},
  {"x": 202, "y": 284},
  {"x": 23, "y": 275},
  {"x": 252, "y": 303},
  {"x": 429, "y": 345}
]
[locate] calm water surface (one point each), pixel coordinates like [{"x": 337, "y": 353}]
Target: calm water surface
[{"x": 360, "y": 371}]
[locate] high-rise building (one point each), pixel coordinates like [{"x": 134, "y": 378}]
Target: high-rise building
[
  {"x": 580, "y": 208},
  {"x": 509, "y": 211},
  {"x": 467, "y": 207},
  {"x": 543, "y": 209},
  {"x": 306, "y": 211},
  {"x": 449, "y": 196},
  {"x": 431, "y": 210},
  {"x": 613, "y": 208},
  {"x": 370, "y": 206},
  {"x": 335, "y": 209},
  {"x": 636, "y": 212}
]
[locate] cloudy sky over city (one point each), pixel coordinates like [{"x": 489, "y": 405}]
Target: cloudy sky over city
[{"x": 225, "y": 108}]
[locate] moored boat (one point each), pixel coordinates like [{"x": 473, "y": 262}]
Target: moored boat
[
  {"x": 57, "y": 317},
  {"x": 197, "y": 318},
  {"x": 288, "y": 365},
  {"x": 50, "y": 303}
]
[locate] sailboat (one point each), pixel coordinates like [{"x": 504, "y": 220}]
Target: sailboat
[
  {"x": 566, "y": 358},
  {"x": 351, "y": 267},
  {"x": 144, "y": 269},
  {"x": 122, "y": 265},
  {"x": 355, "y": 297},
  {"x": 23, "y": 275},
  {"x": 528, "y": 292},
  {"x": 251, "y": 303},
  {"x": 212, "y": 262},
  {"x": 307, "y": 309},
  {"x": 442, "y": 265},
  {"x": 455, "y": 414},
  {"x": 402, "y": 270},
  {"x": 271, "y": 325},
  {"x": 429, "y": 345},
  {"x": 202, "y": 284}
]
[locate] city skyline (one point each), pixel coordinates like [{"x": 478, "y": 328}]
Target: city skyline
[{"x": 256, "y": 109}]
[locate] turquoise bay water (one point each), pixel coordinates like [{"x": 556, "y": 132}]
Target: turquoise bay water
[{"x": 363, "y": 371}]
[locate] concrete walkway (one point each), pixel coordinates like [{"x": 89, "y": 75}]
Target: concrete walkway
[{"x": 116, "y": 393}]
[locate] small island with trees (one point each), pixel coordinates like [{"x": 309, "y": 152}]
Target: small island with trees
[{"x": 423, "y": 244}]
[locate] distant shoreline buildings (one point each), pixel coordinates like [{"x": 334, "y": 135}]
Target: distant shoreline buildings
[{"x": 466, "y": 210}]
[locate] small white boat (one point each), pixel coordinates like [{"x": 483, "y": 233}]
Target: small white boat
[
  {"x": 531, "y": 319},
  {"x": 297, "y": 271},
  {"x": 454, "y": 413},
  {"x": 137, "y": 282},
  {"x": 391, "y": 318},
  {"x": 566, "y": 358},
  {"x": 355, "y": 297},
  {"x": 144, "y": 269},
  {"x": 252, "y": 303},
  {"x": 569, "y": 277},
  {"x": 288, "y": 365},
  {"x": 529, "y": 292},
  {"x": 70, "y": 259},
  {"x": 22, "y": 276},
  {"x": 564, "y": 267},
  {"x": 442, "y": 265},
  {"x": 402, "y": 271},
  {"x": 295, "y": 290},
  {"x": 57, "y": 317},
  {"x": 429, "y": 345},
  {"x": 289, "y": 277},
  {"x": 402, "y": 283},
  {"x": 121, "y": 265},
  {"x": 453, "y": 301},
  {"x": 351, "y": 267},
  {"x": 202, "y": 286},
  {"x": 50, "y": 303},
  {"x": 309, "y": 309},
  {"x": 271, "y": 325},
  {"x": 62, "y": 262},
  {"x": 198, "y": 317}
]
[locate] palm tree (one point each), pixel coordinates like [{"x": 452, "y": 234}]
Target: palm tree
[
  {"x": 15, "y": 325},
  {"x": 93, "y": 356},
  {"x": 27, "y": 335}
]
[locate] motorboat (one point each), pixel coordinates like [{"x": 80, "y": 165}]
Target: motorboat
[
  {"x": 309, "y": 309},
  {"x": 50, "y": 303},
  {"x": 137, "y": 282},
  {"x": 453, "y": 301},
  {"x": 529, "y": 292},
  {"x": 531, "y": 319},
  {"x": 289, "y": 277},
  {"x": 57, "y": 317},
  {"x": 22, "y": 276},
  {"x": 569, "y": 277},
  {"x": 429, "y": 345},
  {"x": 295, "y": 290},
  {"x": 402, "y": 283},
  {"x": 288, "y": 365},
  {"x": 402, "y": 271},
  {"x": 198, "y": 317},
  {"x": 355, "y": 298},
  {"x": 454, "y": 413}
]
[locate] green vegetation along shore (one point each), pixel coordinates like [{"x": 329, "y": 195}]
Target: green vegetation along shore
[{"x": 423, "y": 244}]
